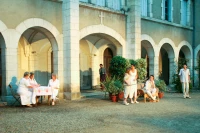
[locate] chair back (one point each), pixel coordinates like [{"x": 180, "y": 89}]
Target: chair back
[{"x": 11, "y": 90}]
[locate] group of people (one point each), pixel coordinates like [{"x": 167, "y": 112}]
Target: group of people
[
  {"x": 130, "y": 83},
  {"x": 27, "y": 85}
]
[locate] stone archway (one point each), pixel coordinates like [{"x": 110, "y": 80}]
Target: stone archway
[
  {"x": 92, "y": 48},
  {"x": 35, "y": 30},
  {"x": 167, "y": 60},
  {"x": 148, "y": 52}
]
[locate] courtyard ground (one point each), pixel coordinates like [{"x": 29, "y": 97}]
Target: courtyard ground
[{"x": 172, "y": 114}]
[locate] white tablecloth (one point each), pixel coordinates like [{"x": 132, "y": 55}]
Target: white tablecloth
[{"x": 42, "y": 91}]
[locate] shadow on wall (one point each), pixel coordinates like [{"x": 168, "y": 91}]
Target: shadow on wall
[{"x": 86, "y": 79}]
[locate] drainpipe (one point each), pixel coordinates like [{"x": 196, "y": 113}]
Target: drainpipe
[{"x": 193, "y": 40}]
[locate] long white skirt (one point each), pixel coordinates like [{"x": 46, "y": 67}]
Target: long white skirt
[
  {"x": 128, "y": 92},
  {"x": 26, "y": 97}
]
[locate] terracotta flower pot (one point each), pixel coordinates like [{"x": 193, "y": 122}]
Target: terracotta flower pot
[
  {"x": 160, "y": 94},
  {"x": 121, "y": 95},
  {"x": 114, "y": 98}
]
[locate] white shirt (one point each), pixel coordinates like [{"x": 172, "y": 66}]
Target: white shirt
[
  {"x": 133, "y": 77},
  {"x": 23, "y": 86},
  {"x": 184, "y": 74},
  {"x": 54, "y": 84},
  {"x": 149, "y": 85},
  {"x": 32, "y": 81}
]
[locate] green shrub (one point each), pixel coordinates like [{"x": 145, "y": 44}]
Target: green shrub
[
  {"x": 160, "y": 84},
  {"x": 141, "y": 66},
  {"x": 118, "y": 67}
]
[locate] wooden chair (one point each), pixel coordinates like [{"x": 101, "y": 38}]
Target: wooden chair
[{"x": 15, "y": 95}]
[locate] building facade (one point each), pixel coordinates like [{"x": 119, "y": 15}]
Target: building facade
[{"x": 71, "y": 38}]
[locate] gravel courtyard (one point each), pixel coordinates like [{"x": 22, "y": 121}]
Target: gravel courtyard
[{"x": 172, "y": 114}]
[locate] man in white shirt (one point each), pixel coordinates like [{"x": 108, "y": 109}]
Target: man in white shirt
[{"x": 185, "y": 79}]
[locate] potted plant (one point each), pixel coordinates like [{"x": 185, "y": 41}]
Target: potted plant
[
  {"x": 113, "y": 86},
  {"x": 160, "y": 84},
  {"x": 118, "y": 84}
]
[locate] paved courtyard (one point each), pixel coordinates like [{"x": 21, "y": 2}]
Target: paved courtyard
[{"x": 172, "y": 114}]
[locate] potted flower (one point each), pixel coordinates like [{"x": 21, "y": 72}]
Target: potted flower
[{"x": 160, "y": 84}]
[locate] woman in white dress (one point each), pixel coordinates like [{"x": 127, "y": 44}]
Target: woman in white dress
[
  {"x": 55, "y": 85},
  {"x": 127, "y": 86},
  {"x": 34, "y": 84},
  {"x": 23, "y": 91},
  {"x": 151, "y": 88},
  {"x": 134, "y": 77}
]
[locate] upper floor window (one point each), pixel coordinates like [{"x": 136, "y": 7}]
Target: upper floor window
[
  {"x": 101, "y": 2},
  {"x": 144, "y": 6},
  {"x": 114, "y": 4},
  {"x": 167, "y": 10},
  {"x": 185, "y": 12}
]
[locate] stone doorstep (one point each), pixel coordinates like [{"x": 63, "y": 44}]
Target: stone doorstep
[{"x": 3, "y": 104}]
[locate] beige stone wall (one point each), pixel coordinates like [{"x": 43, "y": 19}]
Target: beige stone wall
[
  {"x": 90, "y": 16},
  {"x": 13, "y": 12},
  {"x": 158, "y": 31}
]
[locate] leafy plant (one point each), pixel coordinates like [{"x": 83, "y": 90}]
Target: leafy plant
[
  {"x": 160, "y": 84},
  {"x": 141, "y": 66},
  {"x": 112, "y": 85},
  {"x": 118, "y": 67}
]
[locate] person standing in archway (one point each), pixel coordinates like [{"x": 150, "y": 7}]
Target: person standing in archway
[
  {"x": 102, "y": 73},
  {"x": 185, "y": 79},
  {"x": 134, "y": 77}
]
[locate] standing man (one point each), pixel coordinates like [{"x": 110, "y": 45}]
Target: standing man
[
  {"x": 102, "y": 72},
  {"x": 185, "y": 79}
]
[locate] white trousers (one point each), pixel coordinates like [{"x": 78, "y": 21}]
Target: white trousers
[
  {"x": 152, "y": 92},
  {"x": 54, "y": 94},
  {"x": 127, "y": 91},
  {"x": 185, "y": 89},
  {"x": 134, "y": 90}
]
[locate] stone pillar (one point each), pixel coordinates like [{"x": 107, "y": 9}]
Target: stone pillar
[
  {"x": 133, "y": 30},
  {"x": 196, "y": 73},
  {"x": 71, "y": 71},
  {"x": 10, "y": 72},
  {"x": 172, "y": 68}
]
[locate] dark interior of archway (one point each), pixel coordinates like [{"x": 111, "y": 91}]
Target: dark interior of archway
[
  {"x": 108, "y": 55},
  {"x": 144, "y": 55},
  {"x": 1, "y": 44},
  {"x": 164, "y": 75}
]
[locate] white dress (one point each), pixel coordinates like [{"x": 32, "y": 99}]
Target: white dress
[
  {"x": 134, "y": 84},
  {"x": 127, "y": 87},
  {"x": 25, "y": 94},
  {"x": 55, "y": 85}
]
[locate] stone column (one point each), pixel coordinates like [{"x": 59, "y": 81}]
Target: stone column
[
  {"x": 196, "y": 73},
  {"x": 133, "y": 46},
  {"x": 71, "y": 71},
  {"x": 172, "y": 68},
  {"x": 9, "y": 72},
  {"x": 156, "y": 66}
]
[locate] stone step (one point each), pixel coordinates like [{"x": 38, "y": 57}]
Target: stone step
[{"x": 3, "y": 104}]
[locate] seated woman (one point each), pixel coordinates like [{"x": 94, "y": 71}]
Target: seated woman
[
  {"x": 150, "y": 87},
  {"x": 55, "y": 85},
  {"x": 23, "y": 91},
  {"x": 34, "y": 84}
]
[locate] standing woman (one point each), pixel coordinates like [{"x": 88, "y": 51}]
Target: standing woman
[
  {"x": 23, "y": 91},
  {"x": 55, "y": 85},
  {"x": 127, "y": 86},
  {"x": 134, "y": 77}
]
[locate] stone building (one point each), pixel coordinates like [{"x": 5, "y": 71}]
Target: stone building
[{"x": 72, "y": 37}]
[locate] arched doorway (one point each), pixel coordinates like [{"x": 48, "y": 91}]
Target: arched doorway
[
  {"x": 96, "y": 49},
  {"x": 2, "y": 65},
  {"x": 108, "y": 55},
  {"x": 166, "y": 63},
  {"x": 147, "y": 52},
  {"x": 35, "y": 50},
  {"x": 185, "y": 56}
]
